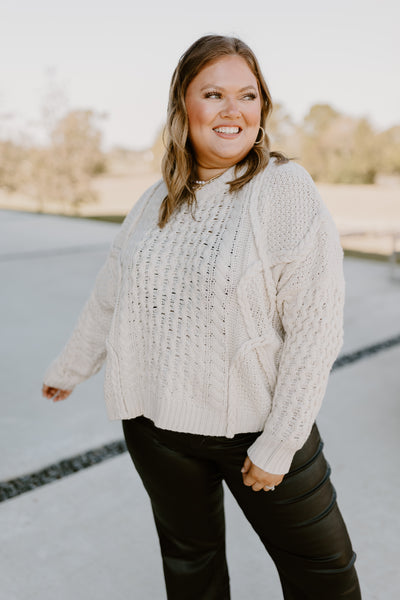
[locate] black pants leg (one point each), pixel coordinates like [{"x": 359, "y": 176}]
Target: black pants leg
[
  {"x": 187, "y": 500},
  {"x": 299, "y": 523},
  {"x": 301, "y": 526}
]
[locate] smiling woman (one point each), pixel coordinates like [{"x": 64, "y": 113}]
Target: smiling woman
[
  {"x": 220, "y": 330},
  {"x": 217, "y": 83},
  {"x": 224, "y": 110}
]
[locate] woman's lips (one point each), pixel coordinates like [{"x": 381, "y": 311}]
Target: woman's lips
[{"x": 227, "y": 132}]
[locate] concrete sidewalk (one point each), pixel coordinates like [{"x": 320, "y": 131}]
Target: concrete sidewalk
[{"x": 91, "y": 534}]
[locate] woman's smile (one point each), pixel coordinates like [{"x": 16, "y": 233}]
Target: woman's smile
[{"x": 228, "y": 133}]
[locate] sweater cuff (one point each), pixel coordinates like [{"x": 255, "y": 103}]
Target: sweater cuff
[
  {"x": 271, "y": 456},
  {"x": 56, "y": 376}
]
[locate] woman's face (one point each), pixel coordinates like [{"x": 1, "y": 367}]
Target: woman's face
[{"x": 224, "y": 108}]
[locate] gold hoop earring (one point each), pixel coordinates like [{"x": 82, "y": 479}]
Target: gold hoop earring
[{"x": 262, "y": 137}]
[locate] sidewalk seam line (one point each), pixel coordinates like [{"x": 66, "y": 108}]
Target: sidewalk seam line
[{"x": 56, "y": 471}]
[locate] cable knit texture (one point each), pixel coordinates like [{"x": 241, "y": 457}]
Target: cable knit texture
[{"x": 224, "y": 323}]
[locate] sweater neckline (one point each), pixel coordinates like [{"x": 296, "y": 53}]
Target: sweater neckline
[{"x": 219, "y": 183}]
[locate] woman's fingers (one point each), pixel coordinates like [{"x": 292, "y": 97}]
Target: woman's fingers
[
  {"x": 48, "y": 391},
  {"x": 246, "y": 465},
  {"x": 256, "y": 487},
  {"x": 61, "y": 395},
  {"x": 258, "y": 479},
  {"x": 55, "y": 394}
]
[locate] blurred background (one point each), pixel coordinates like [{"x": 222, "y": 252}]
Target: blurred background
[
  {"x": 84, "y": 88},
  {"x": 83, "y": 96}
]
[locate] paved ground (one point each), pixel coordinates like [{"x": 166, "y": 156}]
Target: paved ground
[{"x": 90, "y": 535}]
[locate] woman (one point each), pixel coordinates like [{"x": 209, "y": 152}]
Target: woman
[{"x": 220, "y": 312}]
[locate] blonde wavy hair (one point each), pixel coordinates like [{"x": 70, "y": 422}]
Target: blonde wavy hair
[{"x": 178, "y": 164}]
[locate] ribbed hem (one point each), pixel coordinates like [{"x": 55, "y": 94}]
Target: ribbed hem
[
  {"x": 270, "y": 455},
  {"x": 186, "y": 418},
  {"x": 189, "y": 418}
]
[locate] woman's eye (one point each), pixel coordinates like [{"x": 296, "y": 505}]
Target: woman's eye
[{"x": 213, "y": 95}]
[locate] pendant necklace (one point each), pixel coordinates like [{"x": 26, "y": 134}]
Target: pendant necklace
[{"x": 202, "y": 182}]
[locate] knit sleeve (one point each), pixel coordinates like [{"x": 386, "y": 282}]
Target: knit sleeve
[
  {"x": 85, "y": 351},
  {"x": 310, "y": 301}
]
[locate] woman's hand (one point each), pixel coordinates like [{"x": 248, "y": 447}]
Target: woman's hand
[
  {"x": 258, "y": 479},
  {"x": 55, "y": 394}
]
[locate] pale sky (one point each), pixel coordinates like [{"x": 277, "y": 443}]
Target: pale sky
[{"x": 117, "y": 56}]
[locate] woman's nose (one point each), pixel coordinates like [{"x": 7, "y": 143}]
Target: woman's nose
[{"x": 231, "y": 109}]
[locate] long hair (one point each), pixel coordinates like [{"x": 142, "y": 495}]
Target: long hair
[{"x": 178, "y": 164}]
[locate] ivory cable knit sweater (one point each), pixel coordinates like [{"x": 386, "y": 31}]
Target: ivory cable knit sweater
[{"x": 224, "y": 324}]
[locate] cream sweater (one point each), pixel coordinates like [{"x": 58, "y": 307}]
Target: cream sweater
[{"x": 226, "y": 323}]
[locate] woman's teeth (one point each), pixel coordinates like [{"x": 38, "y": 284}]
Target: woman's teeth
[{"x": 227, "y": 129}]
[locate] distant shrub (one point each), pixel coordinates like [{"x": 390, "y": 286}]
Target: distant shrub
[
  {"x": 60, "y": 171},
  {"x": 337, "y": 148}
]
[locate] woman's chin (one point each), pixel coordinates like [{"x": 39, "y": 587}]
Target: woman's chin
[{"x": 228, "y": 157}]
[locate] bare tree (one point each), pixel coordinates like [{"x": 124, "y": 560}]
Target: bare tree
[{"x": 62, "y": 171}]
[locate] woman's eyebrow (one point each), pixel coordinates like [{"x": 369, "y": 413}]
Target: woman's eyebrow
[{"x": 248, "y": 87}]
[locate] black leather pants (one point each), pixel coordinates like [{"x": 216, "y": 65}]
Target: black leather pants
[{"x": 299, "y": 523}]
